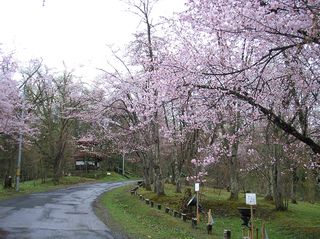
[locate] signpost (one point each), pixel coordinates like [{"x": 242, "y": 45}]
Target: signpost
[
  {"x": 251, "y": 200},
  {"x": 197, "y": 188}
]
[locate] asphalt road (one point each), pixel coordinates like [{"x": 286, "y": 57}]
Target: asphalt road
[{"x": 64, "y": 213}]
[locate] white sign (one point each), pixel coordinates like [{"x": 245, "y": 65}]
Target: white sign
[
  {"x": 251, "y": 199},
  {"x": 197, "y": 187}
]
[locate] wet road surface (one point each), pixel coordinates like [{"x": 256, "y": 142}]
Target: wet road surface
[{"x": 64, "y": 213}]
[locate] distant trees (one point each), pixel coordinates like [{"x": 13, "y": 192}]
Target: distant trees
[
  {"x": 56, "y": 101},
  {"x": 43, "y": 109}
]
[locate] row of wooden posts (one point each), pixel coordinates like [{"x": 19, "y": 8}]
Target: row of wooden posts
[
  {"x": 177, "y": 214},
  {"x": 247, "y": 232}
]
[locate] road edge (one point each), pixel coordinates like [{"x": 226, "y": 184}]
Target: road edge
[{"x": 102, "y": 213}]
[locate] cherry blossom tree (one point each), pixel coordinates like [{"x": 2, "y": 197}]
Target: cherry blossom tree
[
  {"x": 259, "y": 56},
  {"x": 10, "y": 100},
  {"x": 16, "y": 119},
  {"x": 10, "y": 123},
  {"x": 264, "y": 53},
  {"x": 138, "y": 98},
  {"x": 118, "y": 113}
]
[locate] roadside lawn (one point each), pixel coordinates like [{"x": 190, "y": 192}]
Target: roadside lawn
[{"x": 139, "y": 220}]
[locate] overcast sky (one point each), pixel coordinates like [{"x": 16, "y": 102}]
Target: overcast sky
[{"x": 74, "y": 31}]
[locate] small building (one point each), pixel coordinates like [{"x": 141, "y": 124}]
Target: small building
[
  {"x": 85, "y": 157},
  {"x": 87, "y": 160}
]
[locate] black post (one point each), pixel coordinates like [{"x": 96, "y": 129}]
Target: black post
[
  {"x": 167, "y": 210},
  {"x": 227, "y": 234},
  {"x": 194, "y": 222}
]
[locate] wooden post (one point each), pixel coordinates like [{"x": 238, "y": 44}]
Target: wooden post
[
  {"x": 198, "y": 216},
  {"x": 262, "y": 231},
  {"x": 251, "y": 232},
  {"x": 209, "y": 217},
  {"x": 210, "y": 222},
  {"x": 197, "y": 189},
  {"x": 251, "y": 199}
]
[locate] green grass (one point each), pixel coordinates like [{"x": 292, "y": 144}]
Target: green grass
[
  {"x": 141, "y": 221},
  {"x": 37, "y": 186}
]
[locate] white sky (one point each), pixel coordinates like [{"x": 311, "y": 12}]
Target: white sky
[{"x": 74, "y": 31}]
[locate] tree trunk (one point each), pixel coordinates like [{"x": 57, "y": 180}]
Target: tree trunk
[
  {"x": 233, "y": 160},
  {"x": 159, "y": 183},
  {"x": 276, "y": 181},
  {"x": 146, "y": 174},
  {"x": 158, "y": 178},
  {"x": 178, "y": 177},
  {"x": 59, "y": 159},
  {"x": 277, "y": 192},
  {"x": 234, "y": 172},
  {"x": 43, "y": 170},
  {"x": 178, "y": 185},
  {"x": 173, "y": 171},
  {"x": 294, "y": 182},
  {"x": 57, "y": 171},
  {"x": 269, "y": 194},
  {"x": 147, "y": 184},
  {"x": 146, "y": 163},
  {"x": 176, "y": 170}
]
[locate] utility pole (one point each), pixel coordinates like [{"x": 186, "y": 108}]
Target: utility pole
[{"x": 18, "y": 172}]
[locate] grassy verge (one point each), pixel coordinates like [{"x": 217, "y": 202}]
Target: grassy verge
[
  {"x": 37, "y": 186},
  {"x": 141, "y": 221}
]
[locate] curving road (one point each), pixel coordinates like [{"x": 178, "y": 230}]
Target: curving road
[{"x": 64, "y": 213}]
